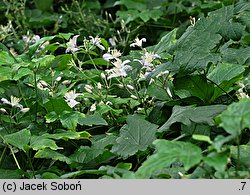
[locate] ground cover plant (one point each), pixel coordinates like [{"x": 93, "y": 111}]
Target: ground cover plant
[{"x": 137, "y": 90}]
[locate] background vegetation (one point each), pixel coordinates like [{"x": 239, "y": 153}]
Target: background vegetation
[{"x": 124, "y": 89}]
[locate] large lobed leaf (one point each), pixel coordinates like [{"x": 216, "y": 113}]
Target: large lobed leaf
[
  {"x": 137, "y": 135},
  {"x": 236, "y": 117},
  {"x": 189, "y": 114},
  {"x": 168, "y": 152}
]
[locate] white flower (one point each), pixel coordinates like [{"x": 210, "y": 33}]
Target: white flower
[
  {"x": 66, "y": 82},
  {"x": 99, "y": 85},
  {"x": 130, "y": 87},
  {"x": 147, "y": 60},
  {"x": 103, "y": 76},
  {"x": 134, "y": 97},
  {"x": 42, "y": 85},
  {"x": 97, "y": 42},
  {"x": 162, "y": 73},
  {"x": 24, "y": 110},
  {"x": 2, "y": 110},
  {"x": 169, "y": 92},
  {"x": 70, "y": 98},
  {"x": 92, "y": 108},
  {"x": 112, "y": 41},
  {"x": 108, "y": 103},
  {"x": 88, "y": 88},
  {"x": 14, "y": 102},
  {"x": 58, "y": 79},
  {"x": 71, "y": 45},
  {"x": 119, "y": 69},
  {"x": 114, "y": 54},
  {"x": 138, "y": 42},
  {"x": 34, "y": 39}
]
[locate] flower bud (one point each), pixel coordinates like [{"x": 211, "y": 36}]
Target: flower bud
[
  {"x": 24, "y": 110},
  {"x": 130, "y": 87},
  {"x": 134, "y": 97},
  {"x": 3, "y": 110}
]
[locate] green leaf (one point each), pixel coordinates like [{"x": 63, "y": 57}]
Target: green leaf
[
  {"x": 6, "y": 58},
  {"x": 82, "y": 172},
  {"x": 51, "y": 117},
  {"x": 217, "y": 160},
  {"x": 69, "y": 120},
  {"x": 44, "y": 61},
  {"x": 236, "y": 56},
  {"x": 85, "y": 153},
  {"x": 5, "y": 73},
  {"x": 189, "y": 114},
  {"x": 49, "y": 175},
  {"x": 195, "y": 48},
  {"x": 168, "y": 152},
  {"x": 58, "y": 105},
  {"x": 50, "y": 154},
  {"x": 225, "y": 75},
  {"x": 91, "y": 120},
  {"x": 194, "y": 85},
  {"x": 137, "y": 135},
  {"x": 22, "y": 72},
  {"x": 130, "y": 4},
  {"x": 202, "y": 138},
  {"x": 65, "y": 35},
  {"x": 236, "y": 117},
  {"x": 9, "y": 174},
  {"x": 40, "y": 142},
  {"x": 19, "y": 139},
  {"x": 244, "y": 154},
  {"x": 166, "y": 42},
  {"x": 65, "y": 135}
]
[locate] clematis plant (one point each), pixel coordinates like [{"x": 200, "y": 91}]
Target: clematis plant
[
  {"x": 112, "y": 54},
  {"x": 97, "y": 42},
  {"x": 138, "y": 42},
  {"x": 119, "y": 70},
  {"x": 70, "y": 98},
  {"x": 72, "y": 45}
]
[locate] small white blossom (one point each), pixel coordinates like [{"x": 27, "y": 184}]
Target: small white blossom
[
  {"x": 151, "y": 81},
  {"x": 134, "y": 97},
  {"x": 114, "y": 54},
  {"x": 103, "y": 76},
  {"x": 169, "y": 92},
  {"x": 120, "y": 86},
  {"x": 92, "y": 108},
  {"x": 147, "y": 59},
  {"x": 112, "y": 41},
  {"x": 130, "y": 87},
  {"x": 99, "y": 86},
  {"x": 42, "y": 85},
  {"x": 88, "y": 88},
  {"x": 14, "y": 102},
  {"x": 58, "y": 79},
  {"x": 138, "y": 42},
  {"x": 72, "y": 45},
  {"x": 97, "y": 42},
  {"x": 24, "y": 110},
  {"x": 119, "y": 69},
  {"x": 162, "y": 73},
  {"x": 66, "y": 82},
  {"x": 3, "y": 110},
  {"x": 108, "y": 103},
  {"x": 34, "y": 39},
  {"x": 70, "y": 98}
]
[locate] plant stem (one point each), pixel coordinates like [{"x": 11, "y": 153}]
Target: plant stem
[{"x": 3, "y": 155}]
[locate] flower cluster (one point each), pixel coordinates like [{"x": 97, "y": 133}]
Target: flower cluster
[{"x": 14, "y": 103}]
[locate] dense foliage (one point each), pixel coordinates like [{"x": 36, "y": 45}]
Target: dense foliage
[{"x": 124, "y": 89}]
